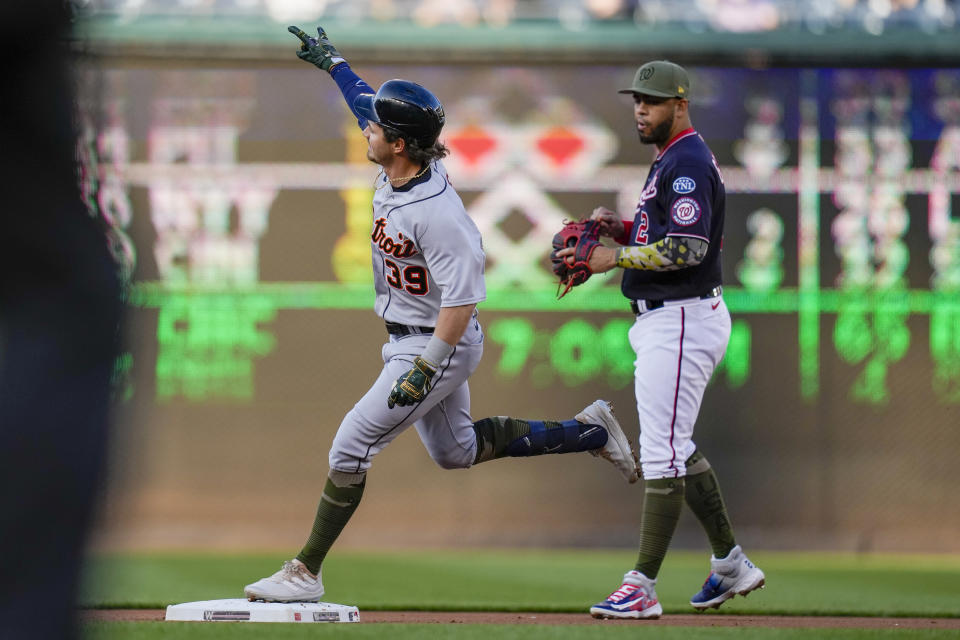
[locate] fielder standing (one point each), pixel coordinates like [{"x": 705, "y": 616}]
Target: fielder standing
[
  {"x": 428, "y": 266},
  {"x": 671, "y": 263}
]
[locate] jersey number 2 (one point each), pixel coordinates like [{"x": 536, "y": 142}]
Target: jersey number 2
[
  {"x": 642, "y": 229},
  {"x": 413, "y": 278}
]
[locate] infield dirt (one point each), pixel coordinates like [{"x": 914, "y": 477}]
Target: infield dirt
[{"x": 693, "y": 620}]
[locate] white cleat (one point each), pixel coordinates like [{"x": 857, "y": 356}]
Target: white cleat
[
  {"x": 293, "y": 583},
  {"x": 617, "y": 449},
  {"x": 730, "y": 576}
]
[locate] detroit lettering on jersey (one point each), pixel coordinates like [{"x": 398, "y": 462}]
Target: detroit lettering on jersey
[
  {"x": 683, "y": 196},
  {"x": 400, "y": 248},
  {"x": 427, "y": 252}
]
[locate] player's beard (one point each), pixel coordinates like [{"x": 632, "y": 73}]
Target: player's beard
[{"x": 660, "y": 134}]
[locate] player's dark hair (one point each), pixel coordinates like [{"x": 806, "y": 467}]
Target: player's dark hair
[{"x": 415, "y": 151}]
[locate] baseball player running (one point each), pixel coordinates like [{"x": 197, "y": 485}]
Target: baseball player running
[
  {"x": 428, "y": 266},
  {"x": 671, "y": 262}
]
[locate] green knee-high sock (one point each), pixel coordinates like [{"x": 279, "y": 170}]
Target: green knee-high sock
[
  {"x": 495, "y": 434},
  {"x": 703, "y": 496},
  {"x": 340, "y": 498},
  {"x": 662, "y": 503}
]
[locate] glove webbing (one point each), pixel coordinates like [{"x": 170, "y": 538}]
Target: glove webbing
[{"x": 584, "y": 236}]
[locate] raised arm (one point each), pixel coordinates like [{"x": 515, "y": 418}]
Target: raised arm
[{"x": 321, "y": 53}]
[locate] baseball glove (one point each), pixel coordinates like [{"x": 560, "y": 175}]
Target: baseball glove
[{"x": 585, "y": 236}]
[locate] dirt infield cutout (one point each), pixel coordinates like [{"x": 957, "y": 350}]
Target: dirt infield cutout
[{"x": 682, "y": 620}]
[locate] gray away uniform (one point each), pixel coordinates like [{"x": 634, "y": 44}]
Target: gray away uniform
[{"x": 427, "y": 254}]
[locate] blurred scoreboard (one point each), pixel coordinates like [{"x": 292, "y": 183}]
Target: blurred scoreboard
[{"x": 238, "y": 195}]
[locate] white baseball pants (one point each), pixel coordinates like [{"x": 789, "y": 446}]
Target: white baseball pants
[{"x": 678, "y": 346}]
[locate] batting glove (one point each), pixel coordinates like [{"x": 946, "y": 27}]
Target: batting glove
[
  {"x": 318, "y": 51},
  {"x": 411, "y": 387}
]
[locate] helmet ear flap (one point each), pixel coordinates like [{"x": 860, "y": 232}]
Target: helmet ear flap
[{"x": 363, "y": 104}]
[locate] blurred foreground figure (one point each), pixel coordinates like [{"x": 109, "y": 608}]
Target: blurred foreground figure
[{"x": 59, "y": 312}]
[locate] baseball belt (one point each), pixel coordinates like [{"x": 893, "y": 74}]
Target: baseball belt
[
  {"x": 396, "y": 329},
  {"x": 642, "y": 306}
]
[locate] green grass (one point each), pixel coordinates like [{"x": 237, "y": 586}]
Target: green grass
[
  {"x": 540, "y": 580},
  {"x": 222, "y": 631}
]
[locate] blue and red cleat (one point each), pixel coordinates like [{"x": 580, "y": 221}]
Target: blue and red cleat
[{"x": 636, "y": 598}]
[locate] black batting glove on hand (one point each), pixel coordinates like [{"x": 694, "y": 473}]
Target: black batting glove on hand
[
  {"x": 318, "y": 51},
  {"x": 411, "y": 387}
]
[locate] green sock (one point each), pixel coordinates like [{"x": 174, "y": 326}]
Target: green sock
[
  {"x": 340, "y": 498},
  {"x": 703, "y": 496},
  {"x": 495, "y": 434},
  {"x": 662, "y": 503}
]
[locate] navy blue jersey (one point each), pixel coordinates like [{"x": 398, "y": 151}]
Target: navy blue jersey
[{"x": 683, "y": 196}]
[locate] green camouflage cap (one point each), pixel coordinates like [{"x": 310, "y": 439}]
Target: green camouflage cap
[{"x": 661, "y": 78}]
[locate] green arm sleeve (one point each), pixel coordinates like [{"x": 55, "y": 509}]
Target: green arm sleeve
[{"x": 668, "y": 254}]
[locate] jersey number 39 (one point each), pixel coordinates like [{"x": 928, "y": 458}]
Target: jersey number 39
[{"x": 412, "y": 278}]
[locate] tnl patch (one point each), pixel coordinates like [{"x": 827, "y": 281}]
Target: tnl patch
[
  {"x": 684, "y": 185},
  {"x": 685, "y": 211}
]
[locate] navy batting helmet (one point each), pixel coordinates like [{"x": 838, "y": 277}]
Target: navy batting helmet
[{"x": 405, "y": 107}]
